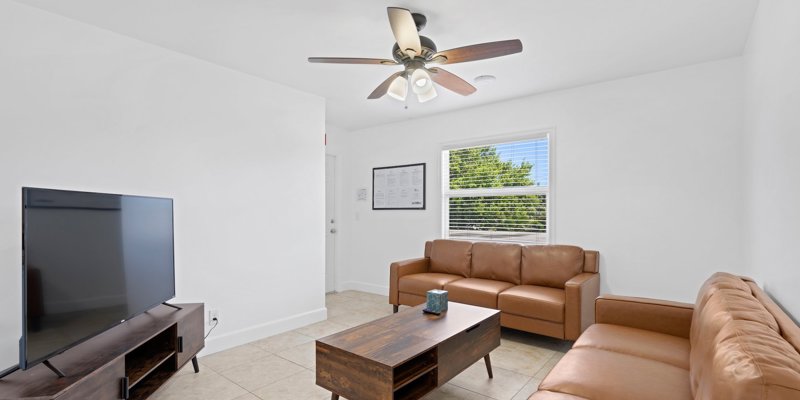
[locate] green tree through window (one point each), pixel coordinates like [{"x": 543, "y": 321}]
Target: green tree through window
[
  {"x": 481, "y": 167},
  {"x": 511, "y": 215}
]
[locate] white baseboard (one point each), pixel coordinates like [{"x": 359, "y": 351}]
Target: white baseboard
[
  {"x": 260, "y": 331},
  {"x": 364, "y": 287}
]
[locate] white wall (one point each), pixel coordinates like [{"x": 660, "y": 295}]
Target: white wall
[
  {"x": 82, "y": 108},
  {"x": 772, "y": 142},
  {"x": 647, "y": 171}
]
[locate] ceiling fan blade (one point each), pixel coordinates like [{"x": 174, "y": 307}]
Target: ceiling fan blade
[
  {"x": 405, "y": 31},
  {"x": 478, "y": 52},
  {"x": 346, "y": 60},
  {"x": 384, "y": 87},
  {"x": 452, "y": 82}
]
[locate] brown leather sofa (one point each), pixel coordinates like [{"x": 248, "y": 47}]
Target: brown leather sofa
[
  {"x": 548, "y": 290},
  {"x": 734, "y": 343}
]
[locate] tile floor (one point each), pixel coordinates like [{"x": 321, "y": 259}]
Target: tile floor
[{"x": 281, "y": 367}]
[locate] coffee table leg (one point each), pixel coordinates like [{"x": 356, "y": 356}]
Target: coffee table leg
[
  {"x": 334, "y": 396},
  {"x": 488, "y": 362}
]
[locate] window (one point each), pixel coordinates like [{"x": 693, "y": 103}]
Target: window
[{"x": 499, "y": 191}]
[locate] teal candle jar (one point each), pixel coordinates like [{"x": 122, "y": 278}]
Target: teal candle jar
[{"x": 436, "y": 301}]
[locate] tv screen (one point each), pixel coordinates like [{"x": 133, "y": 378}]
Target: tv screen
[{"x": 90, "y": 261}]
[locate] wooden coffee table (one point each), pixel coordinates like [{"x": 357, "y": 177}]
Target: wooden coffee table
[{"x": 408, "y": 354}]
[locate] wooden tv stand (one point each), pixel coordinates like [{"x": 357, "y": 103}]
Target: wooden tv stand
[{"x": 129, "y": 361}]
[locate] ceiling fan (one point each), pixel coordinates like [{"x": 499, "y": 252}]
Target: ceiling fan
[{"x": 415, "y": 52}]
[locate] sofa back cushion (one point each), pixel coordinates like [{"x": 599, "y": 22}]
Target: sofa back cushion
[
  {"x": 496, "y": 261},
  {"x": 551, "y": 265},
  {"x": 788, "y": 327},
  {"x": 736, "y": 346},
  {"x": 722, "y": 299},
  {"x": 750, "y": 361},
  {"x": 719, "y": 281},
  {"x": 451, "y": 257},
  {"x": 591, "y": 261}
]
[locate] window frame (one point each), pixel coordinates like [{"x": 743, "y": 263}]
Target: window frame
[{"x": 549, "y": 191}]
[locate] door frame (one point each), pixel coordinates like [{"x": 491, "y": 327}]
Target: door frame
[{"x": 335, "y": 212}]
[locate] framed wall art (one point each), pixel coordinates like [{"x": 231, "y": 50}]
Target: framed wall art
[{"x": 400, "y": 187}]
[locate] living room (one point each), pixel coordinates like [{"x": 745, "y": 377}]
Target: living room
[{"x": 669, "y": 130}]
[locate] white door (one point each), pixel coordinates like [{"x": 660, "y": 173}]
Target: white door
[{"x": 330, "y": 223}]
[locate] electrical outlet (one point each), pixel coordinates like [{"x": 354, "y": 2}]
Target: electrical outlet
[{"x": 212, "y": 315}]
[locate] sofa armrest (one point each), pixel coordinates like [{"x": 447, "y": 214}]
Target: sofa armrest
[
  {"x": 669, "y": 317},
  {"x": 400, "y": 269},
  {"x": 580, "y": 293}
]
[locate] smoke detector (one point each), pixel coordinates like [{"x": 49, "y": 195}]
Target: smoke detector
[{"x": 484, "y": 79}]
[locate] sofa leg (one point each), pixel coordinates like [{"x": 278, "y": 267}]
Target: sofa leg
[{"x": 395, "y": 308}]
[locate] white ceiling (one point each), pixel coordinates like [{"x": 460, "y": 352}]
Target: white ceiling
[{"x": 566, "y": 43}]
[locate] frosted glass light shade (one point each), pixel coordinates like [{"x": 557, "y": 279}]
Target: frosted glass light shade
[
  {"x": 427, "y": 96},
  {"x": 421, "y": 81},
  {"x": 398, "y": 89}
]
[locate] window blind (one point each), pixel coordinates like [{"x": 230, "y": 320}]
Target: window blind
[{"x": 498, "y": 192}]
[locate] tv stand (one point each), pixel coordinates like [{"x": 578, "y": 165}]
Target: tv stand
[
  {"x": 53, "y": 368},
  {"x": 129, "y": 361},
  {"x": 9, "y": 371}
]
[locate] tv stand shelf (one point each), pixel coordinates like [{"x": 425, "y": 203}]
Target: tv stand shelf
[{"x": 129, "y": 361}]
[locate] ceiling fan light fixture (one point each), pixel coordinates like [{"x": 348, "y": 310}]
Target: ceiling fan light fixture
[
  {"x": 399, "y": 88},
  {"x": 415, "y": 53},
  {"x": 421, "y": 81},
  {"x": 427, "y": 96}
]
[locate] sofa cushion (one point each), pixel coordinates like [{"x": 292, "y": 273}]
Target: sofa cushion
[
  {"x": 606, "y": 375},
  {"x": 750, "y": 361},
  {"x": 496, "y": 261},
  {"x": 727, "y": 305},
  {"x": 651, "y": 345},
  {"x": 591, "y": 261},
  {"x": 723, "y": 298},
  {"x": 534, "y": 302},
  {"x": 717, "y": 310},
  {"x": 478, "y": 292},
  {"x": 451, "y": 257},
  {"x": 789, "y": 329},
  {"x": 419, "y": 284},
  {"x": 718, "y": 281},
  {"x": 551, "y": 265}
]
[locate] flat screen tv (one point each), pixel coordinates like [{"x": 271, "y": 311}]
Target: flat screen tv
[{"x": 90, "y": 262}]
